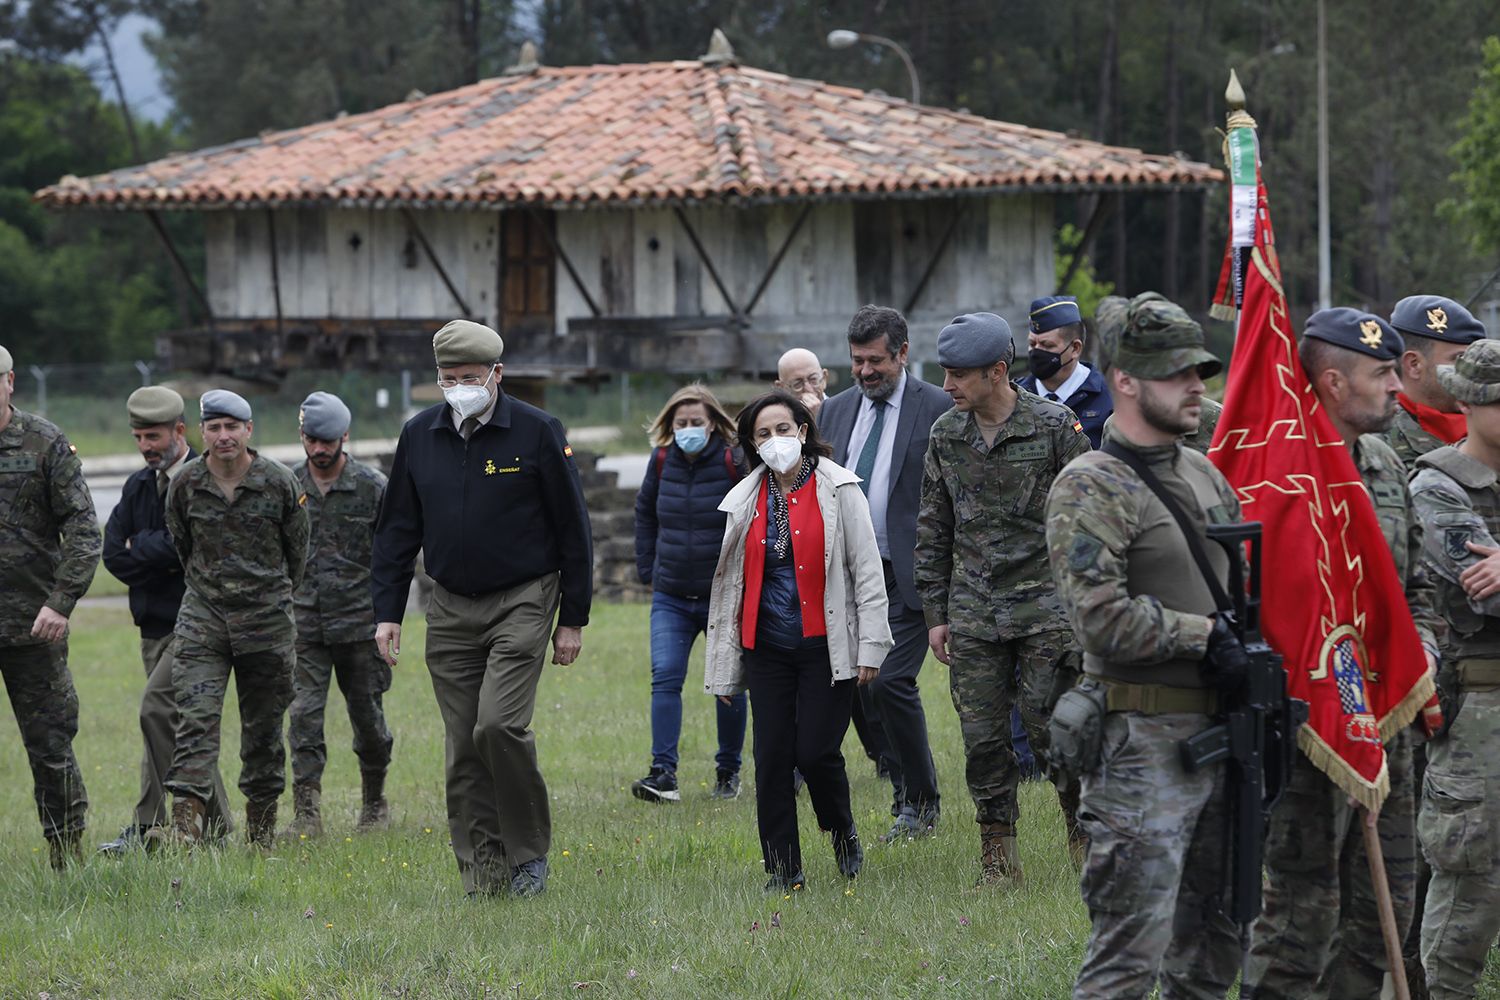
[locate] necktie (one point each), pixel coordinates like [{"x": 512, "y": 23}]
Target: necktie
[
  {"x": 162, "y": 482},
  {"x": 866, "y": 464},
  {"x": 1053, "y": 396},
  {"x": 470, "y": 424}
]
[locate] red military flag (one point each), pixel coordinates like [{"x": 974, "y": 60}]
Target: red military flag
[{"x": 1332, "y": 604}]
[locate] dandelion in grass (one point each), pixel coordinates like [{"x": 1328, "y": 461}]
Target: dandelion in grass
[{"x": 567, "y": 854}]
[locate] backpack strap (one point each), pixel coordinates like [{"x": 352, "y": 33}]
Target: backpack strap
[
  {"x": 661, "y": 461},
  {"x": 730, "y": 466}
]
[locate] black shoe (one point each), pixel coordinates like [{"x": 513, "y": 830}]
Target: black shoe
[
  {"x": 658, "y": 786},
  {"x": 726, "y": 786},
  {"x": 132, "y": 838},
  {"x": 785, "y": 884},
  {"x": 910, "y": 825},
  {"x": 529, "y": 879},
  {"x": 848, "y": 853}
]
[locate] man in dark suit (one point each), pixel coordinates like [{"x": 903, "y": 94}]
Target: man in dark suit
[{"x": 878, "y": 427}]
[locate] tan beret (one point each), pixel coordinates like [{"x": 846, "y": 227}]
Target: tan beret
[
  {"x": 153, "y": 405},
  {"x": 5, "y": 363},
  {"x": 464, "y": 342}
]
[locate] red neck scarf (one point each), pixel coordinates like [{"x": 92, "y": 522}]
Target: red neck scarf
[{"x": 1449, "y": 428}]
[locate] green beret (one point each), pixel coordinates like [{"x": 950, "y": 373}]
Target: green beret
[
  {"x": 464, "y": 342},
  {"x": 1474, "y": 377},
  {"x": 5, "y": 362},
  {"x": 153, "y": 405}
]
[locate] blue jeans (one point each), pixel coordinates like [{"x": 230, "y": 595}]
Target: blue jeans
[{"x": 675, "y": 623}]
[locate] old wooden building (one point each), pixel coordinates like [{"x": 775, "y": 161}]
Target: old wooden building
[{"x": 682, "y": 216}]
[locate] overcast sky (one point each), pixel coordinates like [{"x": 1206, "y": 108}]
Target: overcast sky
[{"x": 137, "y": 70}]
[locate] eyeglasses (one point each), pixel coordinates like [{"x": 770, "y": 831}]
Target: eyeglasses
[
  {"x": 813, "y": 381},
  {"x": 449, "y": 383}
]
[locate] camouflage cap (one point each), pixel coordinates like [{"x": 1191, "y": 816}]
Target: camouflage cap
[
  {"x": 1156, "y": 338},
  {"x": 1474, "y": 378},
  {"x": 6, "y": 364},
  {"x": 464, "y": 342},
  {"x": 153, "y": 405}
]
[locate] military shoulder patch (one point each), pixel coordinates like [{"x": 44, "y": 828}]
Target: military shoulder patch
[
  {"x": 302, "y": 500},
  {"x": 1083, "y": 553},
  {"x": 1078, "y": 426},
  {"x": 568, "y": 450},
  {"x": 1455, "y": 542}
]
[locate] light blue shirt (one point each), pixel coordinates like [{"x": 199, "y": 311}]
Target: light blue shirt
[{"x": 880, "y": 476}]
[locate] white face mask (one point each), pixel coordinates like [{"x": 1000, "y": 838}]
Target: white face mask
[
  {"x": 469, "y": 400},
  {"x": 781, "y": 453}
]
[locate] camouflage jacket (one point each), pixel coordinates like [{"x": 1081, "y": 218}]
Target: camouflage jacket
[
  {"x": 1385, "y": 478},
  {"x": 1456, "y": 499},
  {"x": 241, "y": 560},
  {"x": 981, "y": 556},
  {"x": 1137, "y": 600},
  {"x": 1408, "y": 439},
  {"x": 49, "y": 535},
  {"x": 1208, "y": 422},
  {"x": 333, "y": 604}
]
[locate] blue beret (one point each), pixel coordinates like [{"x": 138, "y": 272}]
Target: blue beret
[
  {"x": 323, "y": 416},
  {"x": 1052, "y": 311},
  {"x": 975, "y": 340},
  {"x": 223, "y": 403},
  {"x": 1438, "y": 318},
  {"x": 1362, "y": 332}
]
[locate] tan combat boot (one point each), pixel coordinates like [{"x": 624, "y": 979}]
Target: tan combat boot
[
  {"x": 260, "y": 824},
  {"x": 999, "y": 859},
  {"x": 189, "y": 816},
  {"x": 375, "y": 814},
  {"x": 307, "y": 814},
  {"x": 65, "y": 850}
]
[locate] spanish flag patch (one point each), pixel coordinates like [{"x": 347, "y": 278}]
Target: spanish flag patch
[
  {"x": 568, "y": 450},
  {"x": 1078, "y": 426}
]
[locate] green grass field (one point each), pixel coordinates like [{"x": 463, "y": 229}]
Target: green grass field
[{"x": 643, "y": 901}]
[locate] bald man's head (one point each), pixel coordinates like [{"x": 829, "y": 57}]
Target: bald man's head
[{"x": 799, "y": 373}]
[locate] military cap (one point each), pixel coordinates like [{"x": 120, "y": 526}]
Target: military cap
[
  {"x": 975, "y": 340},
  {"x": 323, "y": 416},
  {"x": 6, "y": 364},
  {"x": 1154, "y": 338},
  {"x": 223, "y": 403},
  {"x": 153, "y": 405},
  {"x": 1353, "y": 330},
  {"x": 464, "y": 342},
  {"x": 1436, "y": 317},
  {"x": 1052, "y": 311},
  {"x": 1474, "y": 377}
]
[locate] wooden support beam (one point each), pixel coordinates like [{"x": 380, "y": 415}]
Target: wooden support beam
[
  {"x": 959, "y": 207},
  {"x": 1103, "y": 206},
  {"x": 546, "y": 231},
  {"x": 786, "y": 245},
  {"x": 275, "y": 266},
  {"x": 437, "y": 265},
  {"x": 182, "y": 268},
  {"x": 713, "y": 273}
]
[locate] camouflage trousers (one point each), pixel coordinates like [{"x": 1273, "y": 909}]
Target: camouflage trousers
[
  {"x": 983, "y": 677},
  {"x": 1459, "y": 827},
  {"x": 363, "y": 677},
  {"x": 1154, "y": 868},
  {"x": 1319, "y": 930},
  {"x": 263, "y": 684},
  {"x": 46, "y": 706}
]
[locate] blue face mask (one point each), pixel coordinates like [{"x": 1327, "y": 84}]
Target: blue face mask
[{"x": 691, "y": 439}]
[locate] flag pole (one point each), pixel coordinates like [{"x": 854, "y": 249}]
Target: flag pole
[{"x": 1387, "y": 907}]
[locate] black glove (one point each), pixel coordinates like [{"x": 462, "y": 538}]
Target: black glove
[{"x": 1226, "y": 663}]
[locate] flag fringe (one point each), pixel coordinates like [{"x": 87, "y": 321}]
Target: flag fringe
[
  {"x": 1402, "y": 715},
  {"x": 1227, "y": 313},
  {"x": 1370, "y": 794}
]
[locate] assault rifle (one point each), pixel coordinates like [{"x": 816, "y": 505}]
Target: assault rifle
[{"x": 1256, "y": 735}]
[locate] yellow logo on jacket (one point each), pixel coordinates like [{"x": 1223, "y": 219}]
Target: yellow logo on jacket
[{"x": 489, "y": 467}]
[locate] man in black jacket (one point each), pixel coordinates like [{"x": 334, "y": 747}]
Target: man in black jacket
[
  {"x": 138, "y": 551},
  {"x": 485, "y": 486}
]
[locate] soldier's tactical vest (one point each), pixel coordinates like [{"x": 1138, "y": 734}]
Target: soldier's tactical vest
[{"x": 1470, "y": 634}]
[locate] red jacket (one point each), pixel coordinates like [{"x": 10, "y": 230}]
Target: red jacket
[{"x": 806, "y": 520}]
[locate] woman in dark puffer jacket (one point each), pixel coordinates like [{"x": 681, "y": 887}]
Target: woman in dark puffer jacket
[{"x": 678, "y": 531}]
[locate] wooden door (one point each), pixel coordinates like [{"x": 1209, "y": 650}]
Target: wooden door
[{"x": 528, "y": 272}]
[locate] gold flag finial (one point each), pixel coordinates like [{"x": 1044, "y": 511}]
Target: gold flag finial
[{"x": 1234, "y": 94}]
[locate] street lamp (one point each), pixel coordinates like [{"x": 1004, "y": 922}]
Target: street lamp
[{"x": 842, "y": 38}]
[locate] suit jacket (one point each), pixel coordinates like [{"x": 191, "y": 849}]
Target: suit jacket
[
  {"x": 1091, "y": 403},
  {"x": 921, "y": 404}
]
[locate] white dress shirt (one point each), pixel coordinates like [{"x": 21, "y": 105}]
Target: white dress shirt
[
  {"x": 1070, "y": 385},
  {"x": 880, "y": 476}
]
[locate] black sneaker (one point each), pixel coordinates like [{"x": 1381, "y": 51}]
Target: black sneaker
[
  {"x": 910, "y": 825},
  {"x": 658, "y": 786},
  {"x": 726, "y": 786},
  {"x": 848, "y": 853},
  {"x": 529, "y": 879},
  {"x": 786, "y": 884}
]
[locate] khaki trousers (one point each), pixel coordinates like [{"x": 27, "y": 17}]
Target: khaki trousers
[
  {"x": 485, "y": 654},
  {"x": 159, "y": 733}
]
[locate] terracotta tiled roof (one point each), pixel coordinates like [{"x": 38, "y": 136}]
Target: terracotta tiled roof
[{"x": 657, "y": 132}]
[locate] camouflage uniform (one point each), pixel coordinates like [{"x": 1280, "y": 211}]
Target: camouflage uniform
[
  {"x": 1408, "y": 439},
  {"x": 49, "y": 549},
  {"x": 1319, "y": 931},
  {"x": 1458, "y": 500},
  {"x": 981, "y": 569},
  {"x": 1208, "y": 421},
  {"x": 336, "y": 624},
  {"x": 241, "y": 561}
]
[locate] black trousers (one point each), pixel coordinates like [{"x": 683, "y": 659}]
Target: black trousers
[{"x": 800, "y": 717}]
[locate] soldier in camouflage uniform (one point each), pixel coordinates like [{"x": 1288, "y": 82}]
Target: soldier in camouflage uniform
[
  {"x": 49, "y": 549},
  {"x": 981, "y": 570},
  {"x": 336, "y": 620},
  {"x": 1456, "y": 497},
  {"x": 1154, "y": 653},
  {"x": 1319, "y": 931},
  {"x": 238, "y": 523},
  {"x": 1435, "y": 330}
]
